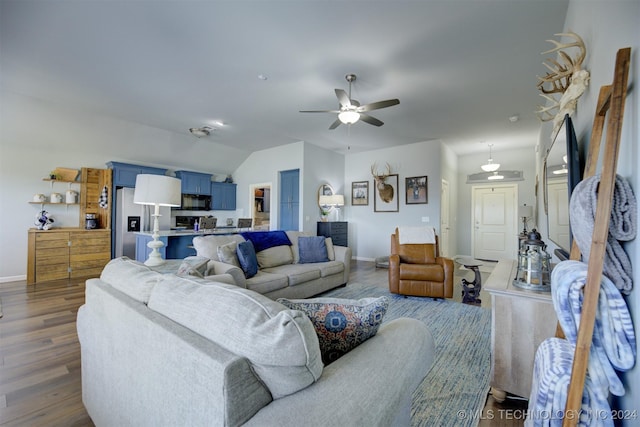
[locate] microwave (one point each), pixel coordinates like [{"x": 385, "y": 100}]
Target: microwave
[{"x": 196, "y": 202}]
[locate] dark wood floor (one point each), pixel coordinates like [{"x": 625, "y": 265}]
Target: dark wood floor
[{"x": 40, "y": 355}]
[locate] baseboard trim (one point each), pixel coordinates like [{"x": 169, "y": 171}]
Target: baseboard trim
[{"x": 13, "y": 278}]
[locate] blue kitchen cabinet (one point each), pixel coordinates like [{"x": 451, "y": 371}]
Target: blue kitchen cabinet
[
  {"x": 195, "y": 182},
  {"x": 124, "y": 174},
  {"x": 223, "y": 196}
]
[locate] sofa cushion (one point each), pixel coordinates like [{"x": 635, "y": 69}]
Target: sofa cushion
[
  {"x": 293, "y": 236},
  {"x": 264, "y": 282},
  {"x": 280, "y": 344},
  {"x": 193, "y": 266},
  {"x": 266, "y": 239},
  {"x": 341, "y": 324},
  {"x": 330, "y": 268},
  {"x": 130, "y": 277},
  {"x": 312, "y": 249},
  {"x": 297, "y": 273},
  {"x": 207, "y": 246},
  {"x": 277, "y": 255},
  {"x": 227, "y": 253},
  {"x": 247, "y": 259},
  {"x": 331, "y": 252}
]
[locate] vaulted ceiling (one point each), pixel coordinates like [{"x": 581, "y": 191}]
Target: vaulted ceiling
[{"x": 459, "y": 68}]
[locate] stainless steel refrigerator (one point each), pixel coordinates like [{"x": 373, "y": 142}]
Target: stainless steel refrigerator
[{"x": 130, "y": 218}]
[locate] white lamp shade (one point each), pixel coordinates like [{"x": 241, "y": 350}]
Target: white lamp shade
[
  {"x": 490, "y": 167},
  {"x": 349, "y": 117},
  {"x": 157, "y": 189},
  {"x": 525, "y": 211},
  {"x": 336, "y": 200},
  {"x": 324, "y": 200}
]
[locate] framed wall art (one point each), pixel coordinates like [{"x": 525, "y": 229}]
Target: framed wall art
[
  {"x": 385, "y": 195},
  {"x": 360, "y": 193},
  {"x": 416, "y": 190}
]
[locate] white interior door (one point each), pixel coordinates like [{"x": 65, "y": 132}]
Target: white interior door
[
  {"x": 495, "y": 234},
  {"x": 444, "y": 220},
  {"x": 558, "y": 208}
]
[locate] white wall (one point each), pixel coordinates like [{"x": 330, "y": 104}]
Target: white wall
[
  {"x": 317, "y": 166},
  {"x": 369, "y": 231},
  {"x": 607, "y": 26},
  {"x": 321, "y": 167}
]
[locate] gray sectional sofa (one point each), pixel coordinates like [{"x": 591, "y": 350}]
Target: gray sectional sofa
[
  {"x": 166, "y": 350},
  {"x": 280, "y": 273}
]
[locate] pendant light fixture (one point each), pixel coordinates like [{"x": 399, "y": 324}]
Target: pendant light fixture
[{"x": 490, "y": 166}]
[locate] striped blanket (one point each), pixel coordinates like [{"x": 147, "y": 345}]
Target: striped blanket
[{"x": 613, "y": 349}]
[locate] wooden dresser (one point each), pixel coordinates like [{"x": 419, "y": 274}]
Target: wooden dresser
[
  {"x": 64, "y": 253},
  {"x": 520, "y": 320}
]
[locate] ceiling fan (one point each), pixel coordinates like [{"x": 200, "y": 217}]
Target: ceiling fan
[{"x": 350, "y": 109}]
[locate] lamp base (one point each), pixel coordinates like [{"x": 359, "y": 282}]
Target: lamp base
[{"x": 155, "y": 258}]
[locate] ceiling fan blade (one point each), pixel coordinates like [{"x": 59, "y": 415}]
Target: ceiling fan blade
[
  {"x": 335, "y": 124},
  {"x": 343, "y": 98},
  {"x": 320, "y": 111},
  {"x": 378, "y": 105},
  {"x": 371, "y": 120}
]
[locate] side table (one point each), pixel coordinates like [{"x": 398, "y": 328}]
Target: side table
[{"x": 471, "y": 290}]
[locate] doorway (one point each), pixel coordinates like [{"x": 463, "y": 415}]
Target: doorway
[
  {"x": 444, "y": 219},
  {"x": 494, "y": 221},
  {"x": 260, "y": 202}
]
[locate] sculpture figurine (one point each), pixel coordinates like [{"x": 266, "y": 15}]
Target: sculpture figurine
[{"x": 44, "y": 221}]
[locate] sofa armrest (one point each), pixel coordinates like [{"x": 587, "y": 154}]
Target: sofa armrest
[
  {"x": 394, "y": 273},
  {"x": 343, "y": 254},
  {"x": 217, "y": 267},
  {"x": 447, "y": 266},
  {"x": 371, "y": 385},
  {"x": 221, "y": 278}
]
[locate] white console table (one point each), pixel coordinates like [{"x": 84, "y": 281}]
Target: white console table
[{"x": 520, "y": 320}]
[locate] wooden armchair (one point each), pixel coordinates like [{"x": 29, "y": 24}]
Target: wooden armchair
[{"x": 417, "y": 270}]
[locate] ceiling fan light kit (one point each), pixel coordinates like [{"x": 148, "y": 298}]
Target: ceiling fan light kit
[
  {"x": 351, "y": 111},
  {"x": 348, "y": 117}
]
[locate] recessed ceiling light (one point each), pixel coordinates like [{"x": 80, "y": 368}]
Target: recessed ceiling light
[
  {"x": 219, "y": 123},
  {"x": 514, "y": 118},
  {"x": 262, "y": 77}
]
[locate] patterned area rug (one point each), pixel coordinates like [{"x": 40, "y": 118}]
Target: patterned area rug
[{"x": 455, "y": 390}]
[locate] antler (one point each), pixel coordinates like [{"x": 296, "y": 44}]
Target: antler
[
  {"x": 560, "y": 76},
  {"x": 374, "y": 171},
  {"x": 545, "y": 114}
]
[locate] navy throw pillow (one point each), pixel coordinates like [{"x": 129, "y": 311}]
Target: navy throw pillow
[
  {"x": 247, "y": 259},
  {"x": 312, "y": 249}
]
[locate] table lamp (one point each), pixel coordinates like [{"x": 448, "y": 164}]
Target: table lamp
[
  {"x": 157, "y": 190},
  {"x": 337, "y": 201}
]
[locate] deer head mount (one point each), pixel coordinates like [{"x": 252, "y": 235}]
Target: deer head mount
[
  {"x": 384, "y": 190},
  {"x": 566, "y": 78}
]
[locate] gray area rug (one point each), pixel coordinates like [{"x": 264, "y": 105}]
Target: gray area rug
[{"x": 455, "y": 390}]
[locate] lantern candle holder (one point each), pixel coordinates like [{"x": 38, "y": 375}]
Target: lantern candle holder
[{"x": 533, "y": 264}]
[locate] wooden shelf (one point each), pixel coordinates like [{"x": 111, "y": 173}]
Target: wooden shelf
[
  {"x": 49, "y": 203},
  {"x": 61, "y": 180}
]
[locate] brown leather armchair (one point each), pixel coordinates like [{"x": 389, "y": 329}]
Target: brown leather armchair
[{"x": 417, "y": 270}]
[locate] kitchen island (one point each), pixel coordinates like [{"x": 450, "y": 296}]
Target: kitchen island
[{"x": 178, "y": 244}]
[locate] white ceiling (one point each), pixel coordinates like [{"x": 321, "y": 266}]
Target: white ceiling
[{"x": 460, "y": 68}]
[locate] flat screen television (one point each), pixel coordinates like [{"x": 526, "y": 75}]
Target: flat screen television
[{"x": 563, "y": 170}]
